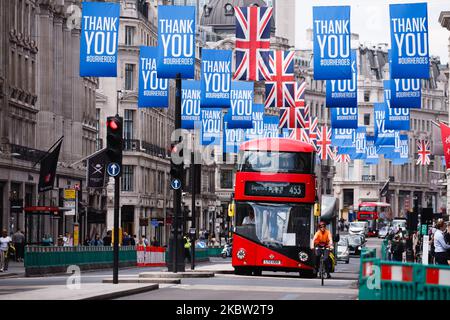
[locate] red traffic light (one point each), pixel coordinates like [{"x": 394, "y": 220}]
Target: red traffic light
[{"x": 113, "y": 125}]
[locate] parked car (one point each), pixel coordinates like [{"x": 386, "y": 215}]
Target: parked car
[
  {"x": 359, "y": 227},
  {"x": 355, "y": 244},
  {"x": 384, "y": 231},
  {"x": 343, "y": 251}
]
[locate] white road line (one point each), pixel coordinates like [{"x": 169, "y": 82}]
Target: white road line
[{"x": 292, "y": 290}]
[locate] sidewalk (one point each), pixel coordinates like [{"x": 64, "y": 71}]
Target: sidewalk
[
  {"x": 91, "y": 291},
  {"x": 14, "y": 269}
]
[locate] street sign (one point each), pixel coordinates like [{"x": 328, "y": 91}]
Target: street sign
[
  {"x": 69, "y": 194},
  {"x": 113, "y": 169},
  {"x": 175, "y": 184}
]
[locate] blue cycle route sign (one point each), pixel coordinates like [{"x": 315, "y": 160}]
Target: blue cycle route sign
[
  {"x": 175, "y": 184},
  {"x": 113, "y": 169}
]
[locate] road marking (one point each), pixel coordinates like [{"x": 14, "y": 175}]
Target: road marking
[
  {"x": 290, "y": 296},
  {"x": 274, "y": 277},
  {"x": 215, "y": 287}
]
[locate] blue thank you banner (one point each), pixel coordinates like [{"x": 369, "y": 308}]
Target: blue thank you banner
[
  {"x": 332, "y": 54},
  {"x": 344, "y": 118},
  {"x": 344, "y": 93},
  {"x": 270, "y": 124},
  {"x": 190, "y": 103},
  {"x": 176, "y": 42},
  {"x": 397, "y": 118},
  {"x": 232, "y": 139},
  {"x": 153, "y": 92},
  {"x": 240, "y": 114},
  {"x": 99, "y": 39},
  {"x": 216, "y": 78},
  {"x": 211, "y": 127},
  {"x": 399, "y": 154},
  {"x": 406, "y": 93},
  {"x": 409, "y": 41},
  {"x": 359, "y": 143},
  {"x": 257, "y": 130},
  {"x": 372, "y": 156},
  {"x": 343, "y": 138},
  {"x": 382, "y": 135}
]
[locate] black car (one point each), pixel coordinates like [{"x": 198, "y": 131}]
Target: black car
[{"x": 355, "y": 244}]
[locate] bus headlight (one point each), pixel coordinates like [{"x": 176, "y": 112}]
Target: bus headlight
[
  {"x": 303, "y": 256},
  {"x": 241, "y": 254}
]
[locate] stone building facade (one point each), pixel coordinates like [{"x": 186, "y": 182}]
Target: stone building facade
[{"x": 43, "y": 98}]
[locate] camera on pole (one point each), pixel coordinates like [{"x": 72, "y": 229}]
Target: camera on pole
[{"x": 114, "y": 139}]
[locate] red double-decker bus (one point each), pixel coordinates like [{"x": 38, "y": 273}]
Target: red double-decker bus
[{"x": 274, "y": 197}]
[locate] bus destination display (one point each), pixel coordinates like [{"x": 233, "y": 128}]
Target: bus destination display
[{"x": 275, "y": 189}]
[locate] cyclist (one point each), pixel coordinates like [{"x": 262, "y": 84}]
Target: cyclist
[{"x": 323, "y": 240}]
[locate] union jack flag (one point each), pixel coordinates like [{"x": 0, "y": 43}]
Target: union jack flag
[
  {"x": 252, "y": 43},
  {"x": 341, "y": 158},
  {"x": 314, "y": 122},
  {"x": 292, "y": 118},
  {"x": 280, "y": 87},
  {"x": 324, "y": 143},
  {"x": 299, "y": 134},
  {"x": 300, "y": 89},
  {"x": 423, "y": 149}
]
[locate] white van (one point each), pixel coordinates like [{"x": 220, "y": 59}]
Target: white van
[{"x": 359, "y": 227}]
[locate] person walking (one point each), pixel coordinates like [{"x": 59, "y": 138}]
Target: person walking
[
  {"x": 67, "y": 240},
  {"x": 96, "y": 241},
  {"x": 397, "y": 248},
  {"x": 133, "y": 240},
  {"x": 107, "y": 240},
  {"x": 5, "y": 242},
  {"x": 155, "y": 243},
  {"x": 18, "y": 239},
  {"x": 187, "y": 248},
  {"x": 440, "y": 247}
]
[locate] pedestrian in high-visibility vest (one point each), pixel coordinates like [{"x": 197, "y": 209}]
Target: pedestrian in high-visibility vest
[{"x": 187, "y": 248}]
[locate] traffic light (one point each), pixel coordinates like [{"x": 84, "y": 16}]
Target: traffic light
[
  {"x": 114, "y": 139},
  {"x": 176, "y": 172}
]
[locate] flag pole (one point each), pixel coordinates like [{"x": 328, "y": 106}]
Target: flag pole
[{"x": 48, "y": 152}]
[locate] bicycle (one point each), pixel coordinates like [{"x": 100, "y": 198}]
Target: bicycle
[{"x": 322, "y": 269}]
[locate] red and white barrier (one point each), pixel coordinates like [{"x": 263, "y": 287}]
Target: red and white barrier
[
  {"x": 396, "y": 273},
  {"x": 438, "y": 276},
  {"x": 367, "y": 269},
  {"x": 151, "y": 256}
]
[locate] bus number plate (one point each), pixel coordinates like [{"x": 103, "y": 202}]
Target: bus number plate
[
  {"x": 275, "y": 189},
  {"x": 271, "y": 261}
]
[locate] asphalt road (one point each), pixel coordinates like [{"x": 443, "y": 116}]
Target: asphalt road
[{"x": 269, "y": 286}]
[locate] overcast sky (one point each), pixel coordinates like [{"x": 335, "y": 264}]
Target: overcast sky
[{"x": 370, "y": 19}]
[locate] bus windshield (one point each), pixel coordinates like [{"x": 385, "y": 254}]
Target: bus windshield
[
  {"x": 274, "y": 225},
  {"x": 276, "y": 162},
  {"x": 368, "y": 209}
]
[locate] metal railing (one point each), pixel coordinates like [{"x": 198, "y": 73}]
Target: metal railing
[
  {"x": 391, "y": 280},
  {"x": 26, "y": 153},
  {"x": 42, "y": 256}
]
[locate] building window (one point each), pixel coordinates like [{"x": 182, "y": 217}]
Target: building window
[
  {"x": 366, "y": 170},
  {"x": 366, "y": 96},
  {"x": 128, "y": 124},
  {"x": 127, "y": 182},
  {"x": 129, "y": 35},
  {"x": 226, "y": 179},
  {"x": 367, "y": 119},
  {"x": 351, "y": 171},
  {"x": 129, "y": 76}
]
